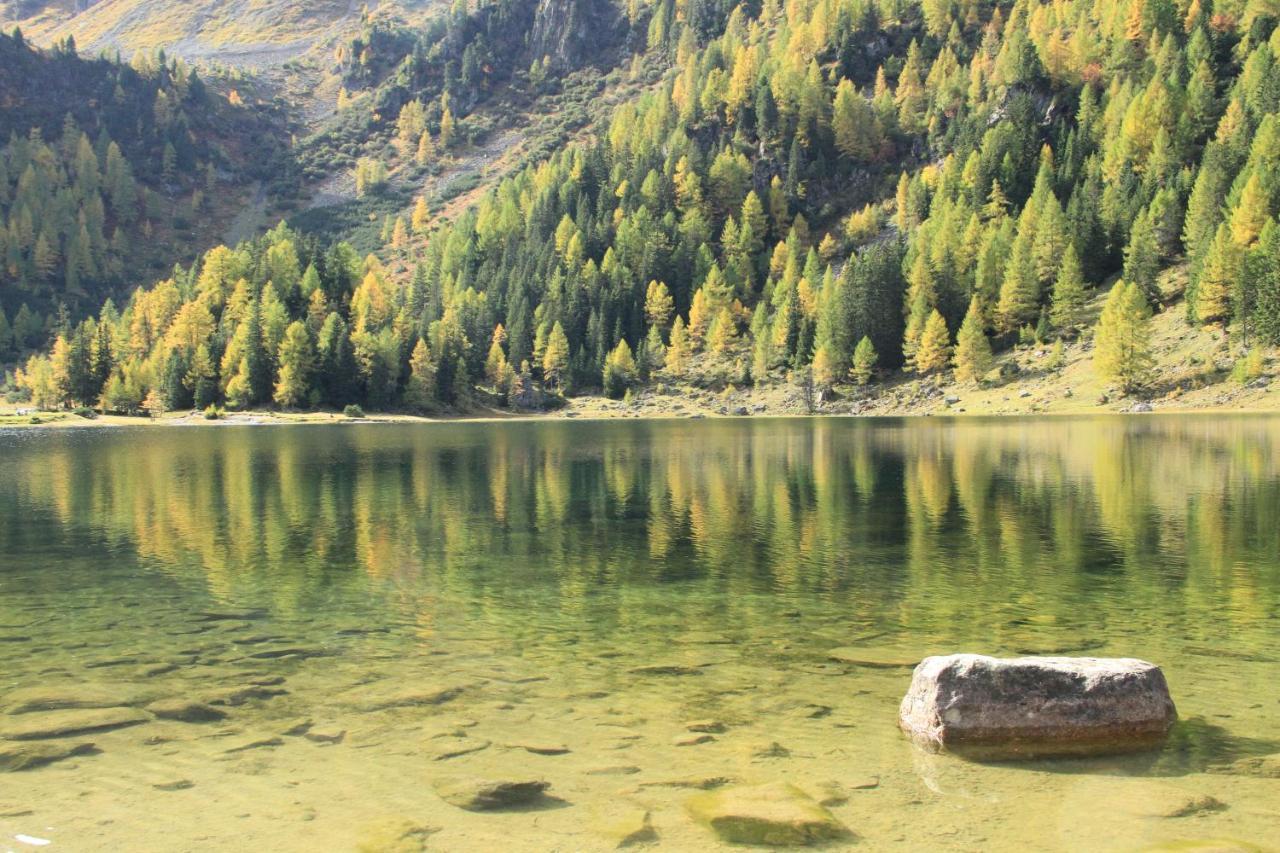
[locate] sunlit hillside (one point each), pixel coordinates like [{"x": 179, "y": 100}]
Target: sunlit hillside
[{"x": 241, "y": 31}]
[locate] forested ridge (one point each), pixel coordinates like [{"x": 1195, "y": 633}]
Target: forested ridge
[{"x": 817, "y": 192}]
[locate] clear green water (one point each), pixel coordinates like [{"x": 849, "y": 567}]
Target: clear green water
[{"x": 535, "y": 567}]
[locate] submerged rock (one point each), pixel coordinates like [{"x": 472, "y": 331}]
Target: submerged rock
[
  {"x": 26, "y": 755},
  {"x": 186, "y": 711},
  {"x": 700, "y": 783},
  {"x": 443, "y": 748},
  {"x": 482, "y": 795},
  {"x": 254, "y": 742},
  {"x": 394, "y": 835},
  {"x": 1004, "y": 708},
  {"x": 776, "y": 813},
  {"x": 1260, "y": 766},
  {"x": 540, "y": 747},
  {"x": 626, "y": 830},
  {"x": 417, "y": 697},
  {"x": 26, "y": 700},
  {"x": 55, "y": 724},
  {"x": 235, "y": 696},
  {"x": 767, "y": 749},
  {"x": 710, "y": 726},
  {"x": 666, "y": 669}
]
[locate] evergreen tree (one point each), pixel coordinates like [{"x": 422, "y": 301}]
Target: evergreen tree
[
  {"x": 1263, "y": 267},
  {"x": 1142, "y": 258},
  {"x": 864, "y": 361},
  {"x": 201, "y": 379},
  {"x": 1067, "y": 311},
  {"x": 1020, "y": 288}
]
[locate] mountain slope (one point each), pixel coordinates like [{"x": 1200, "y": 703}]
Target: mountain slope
[
  {"x": 785, "y": 195},
  {"x": 252, "y": 30}
]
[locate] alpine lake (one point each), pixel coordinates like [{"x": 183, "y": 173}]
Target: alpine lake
[{"x": 288, "y": 638}]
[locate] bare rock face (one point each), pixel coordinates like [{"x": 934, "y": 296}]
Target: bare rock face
[{"x": 1036, "y": 707}]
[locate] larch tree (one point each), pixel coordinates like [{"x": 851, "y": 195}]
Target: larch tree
[
  {"x": 1122, "y": 342},
  {"x": 934, "y": 351},
  {"x": 973, "y": 358},
  {"x": 555, "y": 361},
  {"x": 297, "y": 365}
]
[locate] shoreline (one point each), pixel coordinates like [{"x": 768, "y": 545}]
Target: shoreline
[{"x": 587, "y": 409}]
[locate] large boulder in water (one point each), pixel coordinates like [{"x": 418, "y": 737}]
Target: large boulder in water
[{"x": 1034, "y": 707}]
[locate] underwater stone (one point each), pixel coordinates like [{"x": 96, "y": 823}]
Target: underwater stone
[
  {"x": 54, "y": 724},
  {"x": 777, "y": 814},
  {"x": 186, "y": 711},
  {"x": 1008, "y": 708},
  {"x": 27, "y": 755},
  {"x": 394, "y": 835},
  {"x": 482, "y": 795}
]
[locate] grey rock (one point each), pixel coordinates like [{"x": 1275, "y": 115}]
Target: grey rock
[{"x": 1008, "y": 708}]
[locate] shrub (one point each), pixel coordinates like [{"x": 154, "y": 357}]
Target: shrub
[
  {"x": 212, "y": 413},
  {"x": 353, "y": 411}
]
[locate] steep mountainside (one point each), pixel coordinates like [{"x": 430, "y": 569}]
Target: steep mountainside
[{"x": 814, "y": 194}]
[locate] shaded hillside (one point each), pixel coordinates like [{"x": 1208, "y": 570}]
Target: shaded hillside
[{"x": 113, "y": 171}]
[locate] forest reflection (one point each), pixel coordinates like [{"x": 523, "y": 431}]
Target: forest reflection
[{"x": 894, "y": 516}]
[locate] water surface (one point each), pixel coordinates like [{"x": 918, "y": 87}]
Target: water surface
[{"x": 417, "y": 590}]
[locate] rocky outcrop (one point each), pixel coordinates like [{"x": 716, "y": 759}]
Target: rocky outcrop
[
  {"x": 775, "y": 814},
  {"x": 571, "y": 32},
  {"x": 1006, "y": 708}
]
